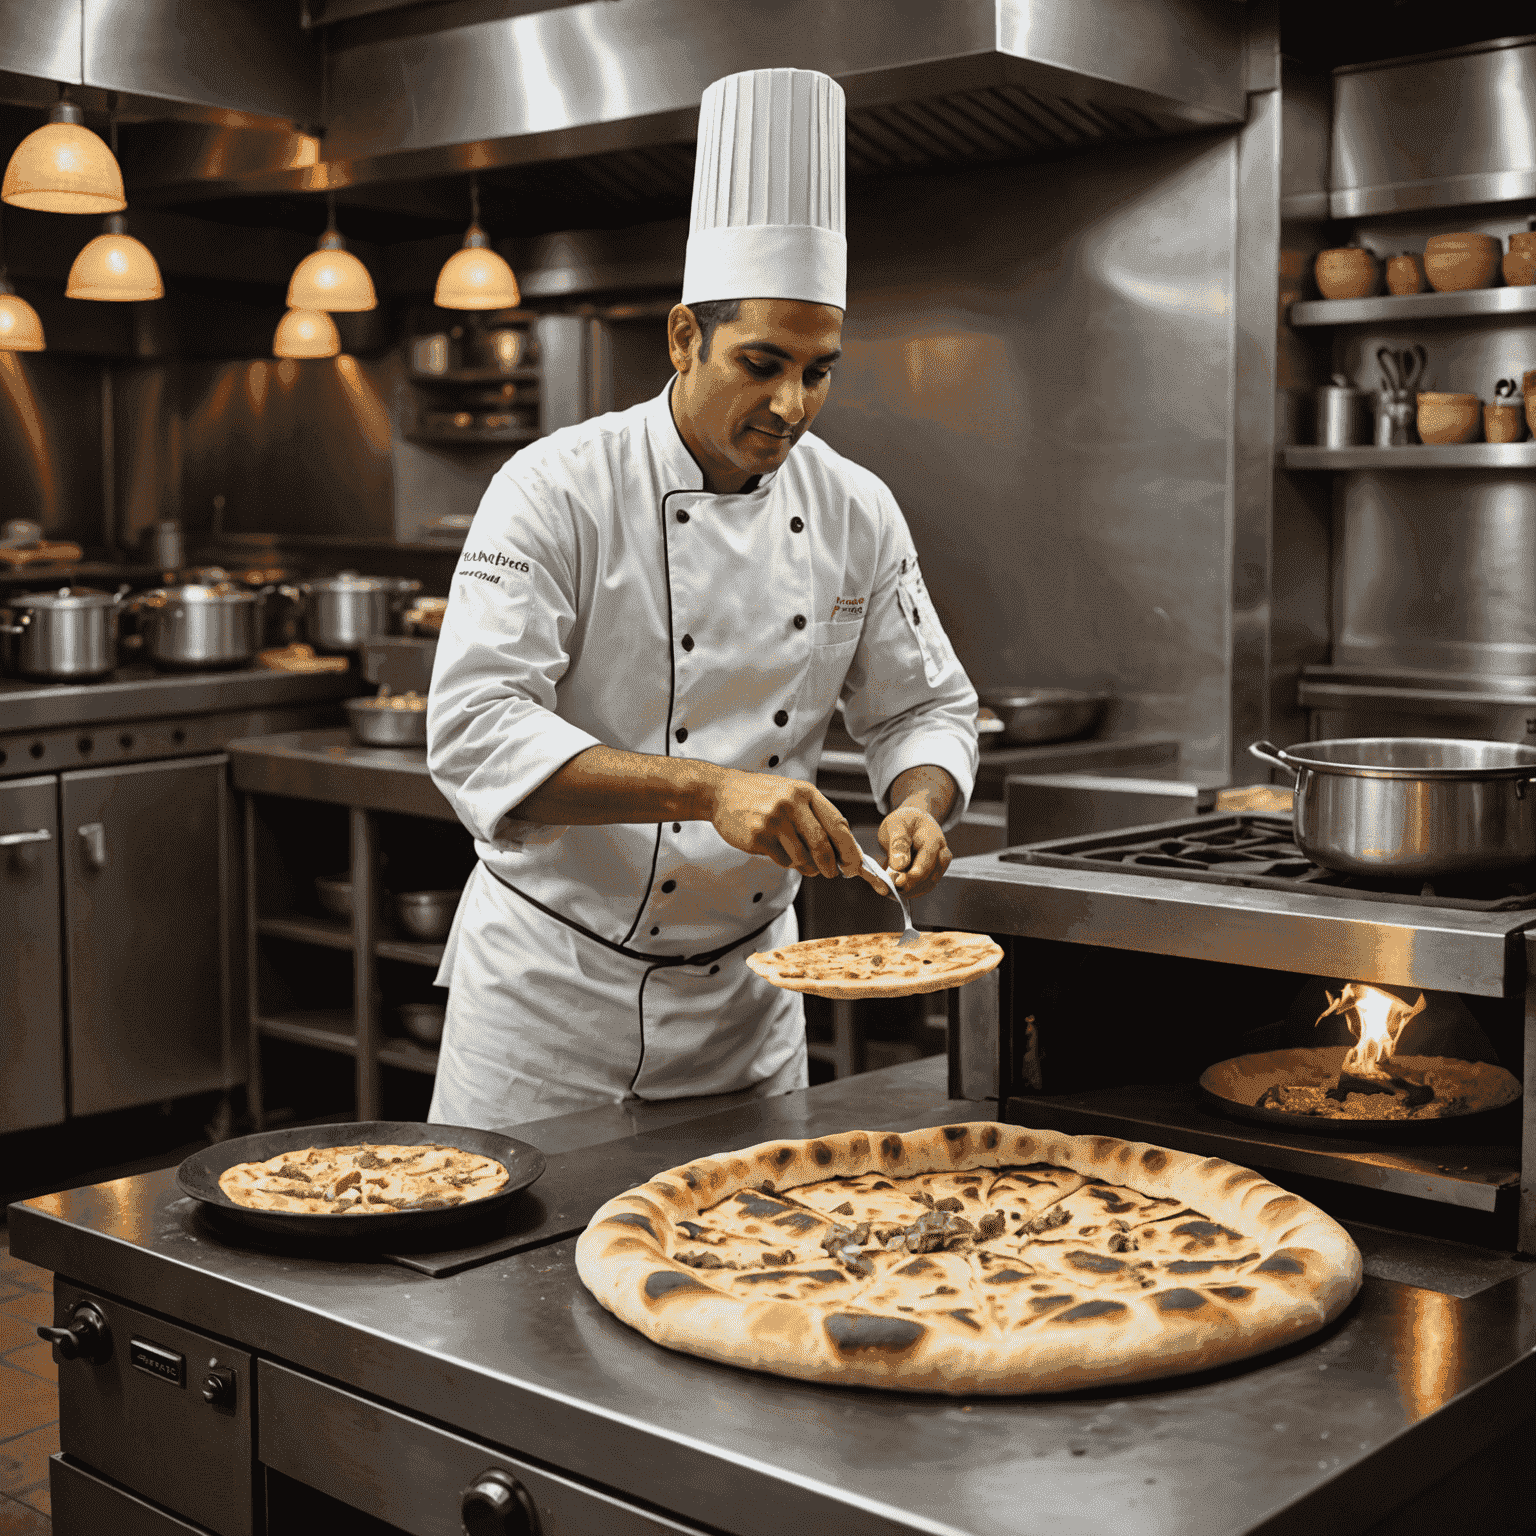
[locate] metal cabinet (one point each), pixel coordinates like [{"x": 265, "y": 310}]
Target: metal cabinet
[
  {"x": 144, "y": 852},
  {"x": 31, "y": 994}
]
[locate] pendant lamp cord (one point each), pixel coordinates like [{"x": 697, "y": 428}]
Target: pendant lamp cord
[
  {"x": 474, "y": 200},
  {"x": 330, "y": 212}
]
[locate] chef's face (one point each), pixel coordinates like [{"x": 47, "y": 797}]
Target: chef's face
[{"x": 742, "y": 407}]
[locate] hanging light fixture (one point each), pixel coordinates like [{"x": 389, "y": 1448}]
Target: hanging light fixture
[
  {"x": 114, "y": 268},
  {"x": 476, "y": 277},
  {"x": 20, "y": 328},
  {"x": 331, "y": 278},
  {"x": 63, "y": 167},
  {"x": 306, "y": 333}
]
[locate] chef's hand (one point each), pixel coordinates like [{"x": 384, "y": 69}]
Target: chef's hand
[
  {"x": 786, "y": 820},
  {"x": 916, "y": 852}
]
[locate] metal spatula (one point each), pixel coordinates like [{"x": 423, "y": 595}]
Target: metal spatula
[{"x": 911, "y": 935}]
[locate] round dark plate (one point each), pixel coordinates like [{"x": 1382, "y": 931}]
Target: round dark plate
[
  {"x": 1230, "y": 1088},
  {"x": 199, "y": 1177}
]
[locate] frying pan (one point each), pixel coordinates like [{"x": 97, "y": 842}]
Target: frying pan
[
  {"x": 198, "y": 1177},
  {"x": 1231, "y": 1087}
]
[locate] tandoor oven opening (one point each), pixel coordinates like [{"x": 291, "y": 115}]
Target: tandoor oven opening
[{"x": 1379, "y": 1103}]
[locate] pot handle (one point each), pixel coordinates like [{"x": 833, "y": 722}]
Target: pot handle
[
  {"x": 20, "y": 626},
  {"x": 1268, "y": 752}
]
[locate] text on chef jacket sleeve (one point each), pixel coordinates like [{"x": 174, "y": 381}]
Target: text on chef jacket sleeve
[
  {"x": 492, "y": 734},
  {"x": 906, "y": 698}
]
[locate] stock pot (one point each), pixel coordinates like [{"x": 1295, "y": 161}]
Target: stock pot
[
  {"x": 195, "y": 626},
  {"x": 343, "y": 612},
  {"x": 1412, "y": 807},
  {"x": 68, "y": 635}
]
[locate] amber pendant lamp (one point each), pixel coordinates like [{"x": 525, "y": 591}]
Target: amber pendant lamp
[
  {"x": 20, "y": 328},
  {"x": 476, "y": 277},
  {"x": 330, "y": 277},
  {"x": 63, "y": 167},
  {"x": 306, "y": 333},
  {"x": 115, "y": 268}
]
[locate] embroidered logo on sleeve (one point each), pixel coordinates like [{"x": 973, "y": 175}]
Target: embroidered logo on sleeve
[
  {"x": 490, "y": 565},
  {"x": 845, "y": 608}
]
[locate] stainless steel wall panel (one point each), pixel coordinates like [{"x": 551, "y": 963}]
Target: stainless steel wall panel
[
  {"x": 143, "y": 915},
  {"x": 1039, "y": 361},
  {"x": 1436, "y": 131},
  {"x": 32, "y": 975},
  {"x": 50, "y": 443},
  {"x": 1436, "y": 572}
]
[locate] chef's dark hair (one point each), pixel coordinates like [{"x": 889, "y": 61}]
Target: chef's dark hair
[{"x": 711, "y": 314}]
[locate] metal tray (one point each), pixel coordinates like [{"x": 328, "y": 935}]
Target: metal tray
[
  {"x": 198, "y": 1177},
  {"x": 1223, "y": 1086}
]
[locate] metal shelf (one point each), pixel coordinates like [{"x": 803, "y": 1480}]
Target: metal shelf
[
  {"x": 408, "y": 1056},
  {"x": 328, "y": 1028},
  {"x": 459, "y": 376},
  {"x": 1416, "y": 456},
  {"x": 1408, "y": 308},
  {"x": 329, "y": 932},
  {"x": 1478, "y": 1178},
  {"x": 411, "y": 951},
  {"x": 475, "y": 436}
]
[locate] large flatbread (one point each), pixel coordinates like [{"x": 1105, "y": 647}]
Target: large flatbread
[
  {"x": 364, "y": 1180},
  {"x": 874, "y": 964},
  {"x": 979, "y": 1258}
]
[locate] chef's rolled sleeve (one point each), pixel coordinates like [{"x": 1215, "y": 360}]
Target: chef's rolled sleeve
[
  {"x": 906, "y": 698},
  {"x": 492, "y": 734}
]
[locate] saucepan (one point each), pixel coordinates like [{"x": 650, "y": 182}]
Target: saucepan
[{"x": 1412, "y": 807}]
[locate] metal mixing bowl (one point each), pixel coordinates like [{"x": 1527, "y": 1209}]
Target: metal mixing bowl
[
  {"x": 427, "y": 914},
  {"x": 1031, "y": 715},
  {"x": 375, "y": 727}
]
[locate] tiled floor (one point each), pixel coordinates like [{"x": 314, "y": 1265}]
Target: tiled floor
[{"x": 29, "y": 1402}]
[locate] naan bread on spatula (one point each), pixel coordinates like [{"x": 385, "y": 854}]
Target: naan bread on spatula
[{"x": 874, "y": 964}]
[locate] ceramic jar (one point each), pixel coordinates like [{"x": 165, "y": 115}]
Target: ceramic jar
[
  {"x": 1502, "y": 423},
  {"x": 1455, "y": 263},
  {"x": 1445, "y": 418},
  {"x": 1520, "y": 260},
  {"x": 1348, "y": 273},
  {"x": 1405, "y": 273}
]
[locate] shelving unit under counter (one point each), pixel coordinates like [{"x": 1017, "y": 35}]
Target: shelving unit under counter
[{"x": 316, "y": 805}]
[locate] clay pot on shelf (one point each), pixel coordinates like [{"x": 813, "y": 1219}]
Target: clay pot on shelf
[
  {"x": 1502, "y": 423},
  {"x": 1348, "y": 273},
  {"x": 1405, "y": 273},
  {"x": 1456, "y": 263},
  {"x": 1528, "y": 386},
  {"x": 1520, "y": 260},
  {"x": 1447, "y": 418}
]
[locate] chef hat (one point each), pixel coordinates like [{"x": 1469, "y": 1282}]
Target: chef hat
[{"x": 768, "y": 191}]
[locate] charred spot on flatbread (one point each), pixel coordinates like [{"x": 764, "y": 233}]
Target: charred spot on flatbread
[{"x": 853, "y": 1332}]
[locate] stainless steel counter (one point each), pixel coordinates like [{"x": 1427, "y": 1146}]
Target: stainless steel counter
[
  {"x": 1325, "y": 1437},
  {"x": 330, "y": 766},
  {"x": 141, "y": 693}
]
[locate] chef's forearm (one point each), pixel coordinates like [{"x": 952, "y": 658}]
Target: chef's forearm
[
  {"x": 603, "y": 786},
  {"x": 927, "y": 787}
]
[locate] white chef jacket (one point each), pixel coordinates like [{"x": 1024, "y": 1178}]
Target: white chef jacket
[{"x": 604, "y": 597}]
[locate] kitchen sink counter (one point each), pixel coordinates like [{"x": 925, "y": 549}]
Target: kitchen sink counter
[
  {"x": 142, "y": 693},
  {"x": 1328, "y": 1436}
]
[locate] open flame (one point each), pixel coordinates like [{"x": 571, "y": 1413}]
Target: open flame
[{"x": 1376, "y": 1019}]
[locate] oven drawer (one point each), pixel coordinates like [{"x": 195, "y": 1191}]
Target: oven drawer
[
  {"x": 84, "y": 1505},
  {"x": 415, "y": 1476},
  {"x": 135, "y": 1411}
]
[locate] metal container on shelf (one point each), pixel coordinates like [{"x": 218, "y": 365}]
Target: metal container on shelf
[
  {"x": 398, "y": 720},
  {"x": 342, "y": 612},
  {"x": 1343, "y": 415},
  {"x": 69, "y": 635},
  {"x": 191, "y": 627}
]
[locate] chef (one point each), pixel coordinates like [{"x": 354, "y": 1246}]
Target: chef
[{"x": 654, "y": 616}]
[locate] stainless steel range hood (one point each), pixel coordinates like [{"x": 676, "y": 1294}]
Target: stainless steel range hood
[{"x": 438, "y": 90}]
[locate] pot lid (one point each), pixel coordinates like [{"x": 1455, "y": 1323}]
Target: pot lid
[
  {"x": 65, "y": 598},
  {"x": 348, "y": 581},
  {"x": 196, "y": 592}
]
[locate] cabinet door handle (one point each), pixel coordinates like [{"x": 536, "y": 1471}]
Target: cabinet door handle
[
  {"x": 16, "y": 839},
  {"x": 94, "y": 836}
]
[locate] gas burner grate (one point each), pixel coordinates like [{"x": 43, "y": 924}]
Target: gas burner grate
[{"x": 1258, "y": 851}]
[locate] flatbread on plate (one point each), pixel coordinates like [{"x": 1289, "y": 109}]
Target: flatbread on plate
[
  {"x": 874, "y": 964},
  {"x": 363, "y": 1180},
  {"x": 978, "y": 1258}
]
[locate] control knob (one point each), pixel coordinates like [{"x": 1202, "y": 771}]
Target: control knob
[
  {"x": 496, "y": 1504},
  {"x": 86, "y": 1338}
]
